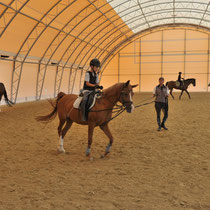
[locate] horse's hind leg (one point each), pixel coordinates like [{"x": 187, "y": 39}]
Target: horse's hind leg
[
  {"x": 60, "y": 126},
  {"x": 105, "y": 129},
  {"x": 63, "y": 133},
  {"x": 188, "y": 94}
]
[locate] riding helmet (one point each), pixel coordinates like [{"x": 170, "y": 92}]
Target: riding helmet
[
  {"x": 180, "y": 72},
  {"x": 95, "y": 62}
]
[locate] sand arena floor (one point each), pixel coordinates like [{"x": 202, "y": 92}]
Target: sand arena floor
[{"x": 145, "y": 170}]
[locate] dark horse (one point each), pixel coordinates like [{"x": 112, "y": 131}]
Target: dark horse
[
  {"x": 99, "y": 115},
  {"x": 172, "y": 84},
  {"x": 4, "y": 92}
]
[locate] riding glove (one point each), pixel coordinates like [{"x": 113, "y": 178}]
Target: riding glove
[{"x": 99, "y": 87}]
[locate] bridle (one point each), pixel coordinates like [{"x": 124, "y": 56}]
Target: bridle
[
  {"x": 124, "y": 102},
  {"x": 119, "y": 109}
]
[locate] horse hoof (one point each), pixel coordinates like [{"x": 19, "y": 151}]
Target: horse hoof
[
  {"x": 91, "y": 158},
  {"x": 105, "y": 155},
  {"x": 61, "y": 150}
]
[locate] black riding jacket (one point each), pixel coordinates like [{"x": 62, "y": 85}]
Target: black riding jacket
[{"x": 92, "y": 81}]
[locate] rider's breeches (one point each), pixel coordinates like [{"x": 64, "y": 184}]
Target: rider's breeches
[{"x": 164, "y": 107}]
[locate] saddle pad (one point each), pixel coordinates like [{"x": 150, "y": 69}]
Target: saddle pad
[
  {"x": 177, "y": 83},
  {"x": 79, "y": 100}
]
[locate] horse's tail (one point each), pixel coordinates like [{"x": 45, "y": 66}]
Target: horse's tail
[
  {"x": 167, "y": 84},
  {"x": 53, "y": 114},
  {"x": 8, "y": 102}
]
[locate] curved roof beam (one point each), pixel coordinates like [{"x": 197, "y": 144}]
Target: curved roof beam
[
  {"x": 204, "y": 13},
  {"x": 143, "y": 33},
  {"x": 151, "y": 13},
  {"x": 88, "y": 35},
  {"x": 136, "y": 26},
  {"x": 111, "y": 22},
  {"x": 75, "y": 40},
  {"x": 134, "y": 19},
  {"x": 72, "y": 31},
  {"x": 17, "y": 68},
  {"x": 13, "y": 17}
]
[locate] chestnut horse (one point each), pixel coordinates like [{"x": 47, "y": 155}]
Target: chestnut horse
[
  {"x": 172, "y": 85},
  {"x": 99, "y": 115}
]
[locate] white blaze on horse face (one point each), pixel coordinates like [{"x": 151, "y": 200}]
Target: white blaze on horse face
[{"x": 132, "y": 106}]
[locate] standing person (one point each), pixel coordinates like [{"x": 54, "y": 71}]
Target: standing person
[
  {"x": 161, "y": 93},
  {"x": 90, "y": 84}
]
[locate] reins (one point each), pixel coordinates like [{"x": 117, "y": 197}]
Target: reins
[{"x": 121, "y": 108}]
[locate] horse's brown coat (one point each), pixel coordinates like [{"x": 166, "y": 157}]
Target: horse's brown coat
[{"x": 67, "y": 114}]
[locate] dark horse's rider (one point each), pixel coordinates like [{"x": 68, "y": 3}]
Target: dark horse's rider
[
  {"x": 180, "y": 79},
  {"x": 161, "y": 93},
  {"x": 90, "y": 84}
]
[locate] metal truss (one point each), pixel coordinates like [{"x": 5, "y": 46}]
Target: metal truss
[
  {"x": 158, "y": 12},
  {"x": 138, "y": 15},
  {"x": 111, "y": 22},
  {"x": 107, "y": 59},
  {"x": 103, "y": 51},
  {"x": 208, "y": 66},
  {"x": 50, "y": 52},
  {"x": 28, "y": 44},
  {"x": 58, "y": 80},
  {"x": 75, "y": 48},
  {"x": 132, "y": 20},
  {"x": 8, "y": 16},
  {"x": 116, "y": 38}
]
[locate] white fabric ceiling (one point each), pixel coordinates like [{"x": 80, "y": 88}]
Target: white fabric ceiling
[{"x": 143, "y": 14}]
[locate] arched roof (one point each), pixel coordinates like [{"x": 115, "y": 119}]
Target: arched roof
[
  {"x": 71, "y": 32},
  {"x": 68, "y": 33}
]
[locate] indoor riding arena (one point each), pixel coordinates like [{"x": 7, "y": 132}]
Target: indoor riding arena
[{"x": 46, "y": 50}]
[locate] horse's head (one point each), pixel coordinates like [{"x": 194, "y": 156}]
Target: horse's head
[
  {"x": 126, "y": 96},
  {"x": 194, "y": 82}
]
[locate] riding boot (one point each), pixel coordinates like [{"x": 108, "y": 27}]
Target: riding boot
[
  {"x": 83, "y": 107},
  {"x": 83, "y": 114},
  {"x": 163, "y": 126}
]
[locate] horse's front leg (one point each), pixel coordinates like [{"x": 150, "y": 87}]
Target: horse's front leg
[
  {"x": 181, "y": 95},
  {"x": 188, "y": 94},
  {"x": 171, "y": 93},
  {"x": 105, "y": 129},
  {"x": 91, "y": 127}
]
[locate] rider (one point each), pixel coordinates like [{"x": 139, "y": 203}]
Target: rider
[
  {"x": 90, "y": 84},
  {"x": 180, "y": 79},
  {"x": 161, "y": 93}
]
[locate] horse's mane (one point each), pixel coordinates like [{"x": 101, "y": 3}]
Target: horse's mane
[
  {"x": 190, "y": 79},
  {"x": 112, "y": 89}
]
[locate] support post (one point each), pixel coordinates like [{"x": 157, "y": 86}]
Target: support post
[
  {"x": 118, "y": 67},
  {"x": 161, "y": 53},
  {"x": 185, "y": 35},
  {"x": 208, "y": 57},
  {"x": 140, "y": 65},
  {"x": 69, "y": 83}
]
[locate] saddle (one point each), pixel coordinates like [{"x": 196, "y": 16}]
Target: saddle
[
  {"x": 85, "y": 105},
  {"x": 179, "y": 84}
]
